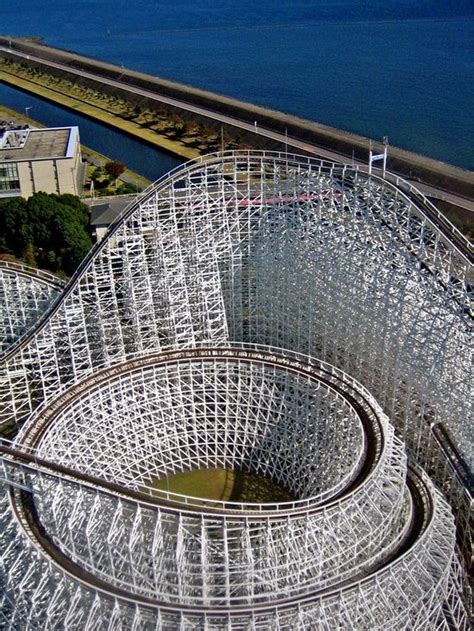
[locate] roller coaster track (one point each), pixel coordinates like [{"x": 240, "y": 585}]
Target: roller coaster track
[
  {"x": 45, "y": 417},
  {"x": 421, "y": 516},
  {"x": 33, "y": 273},
  {"x": 26, "y": 295},
  {"x": 366, "y": 527},
  {"x": 425, "y": 207}
]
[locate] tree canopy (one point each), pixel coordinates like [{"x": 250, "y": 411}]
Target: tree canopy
[
  {"x": 50, "y": 230},
  {"x": 114, "y": 169}
]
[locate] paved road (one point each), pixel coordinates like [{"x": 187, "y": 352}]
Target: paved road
[
  {"x": 255, "y": 128},
  {"x": 435, "y": 193}
]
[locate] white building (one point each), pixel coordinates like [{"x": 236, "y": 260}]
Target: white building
[{"x": 33, "y": 160}]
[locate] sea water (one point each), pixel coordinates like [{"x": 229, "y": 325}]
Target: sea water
[{"x": 398, "y": 68}]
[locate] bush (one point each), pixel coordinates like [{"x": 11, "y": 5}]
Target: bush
[
  {"x": 126, "y": 189},
  {"x": 97, "y": 173}
]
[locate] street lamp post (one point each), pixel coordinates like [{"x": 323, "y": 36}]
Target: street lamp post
[{"x": 27, "y": 109}]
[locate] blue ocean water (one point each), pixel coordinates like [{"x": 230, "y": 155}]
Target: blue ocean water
[{"x": 387, "y": 67}]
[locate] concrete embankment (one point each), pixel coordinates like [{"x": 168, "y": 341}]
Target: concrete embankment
[
  {"x": 100, "y": 114},
  {"x": 409, "y": 165}
]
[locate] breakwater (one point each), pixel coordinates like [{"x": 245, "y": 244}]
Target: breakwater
[{"x": 266, "y": 128}]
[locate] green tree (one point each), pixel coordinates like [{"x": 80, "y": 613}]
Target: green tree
[
  {"x": 41, "y": 211},
  {"x": 74, "y": 240},
  {"x": 50, "y": 230},
  {"x": 15, "y": 231},
  {"x": 181, "y": 128},
  {"x": 52, "y": 260},
  {"x": 97, "y": 173},
  {"x": 137, "y": 111}
]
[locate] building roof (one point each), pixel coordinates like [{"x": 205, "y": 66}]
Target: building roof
[
  {"x": 104, "y": 214},
  {"x": 38, "y": 144}
]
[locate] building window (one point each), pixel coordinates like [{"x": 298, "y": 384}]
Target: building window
[{"x": 9, "y": 180}]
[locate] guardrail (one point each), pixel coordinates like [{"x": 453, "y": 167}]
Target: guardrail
[
  {"x": 21, "y": 268},
  {"x": 464, "y": 246}
]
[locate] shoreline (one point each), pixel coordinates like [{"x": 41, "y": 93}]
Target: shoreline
[
  {"x": 97, "y": 114},
  {"x": 188, "y": 122},
  {"x": 70, "y": 65},
  {"x": 461, "y": 217}
]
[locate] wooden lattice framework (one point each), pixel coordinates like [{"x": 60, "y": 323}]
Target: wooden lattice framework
[{"x": 233, "y": 251}]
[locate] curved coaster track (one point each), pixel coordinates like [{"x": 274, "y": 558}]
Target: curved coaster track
[{"x": 261, "y": 312}]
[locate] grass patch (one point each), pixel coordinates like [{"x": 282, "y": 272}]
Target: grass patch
[{"x": 224, "y": 485}]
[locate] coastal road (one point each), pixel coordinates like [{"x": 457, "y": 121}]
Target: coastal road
[{"x": 286, "y": 140}]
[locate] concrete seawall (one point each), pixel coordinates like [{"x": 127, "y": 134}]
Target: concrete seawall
[{"x": 413, "y": 166}]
